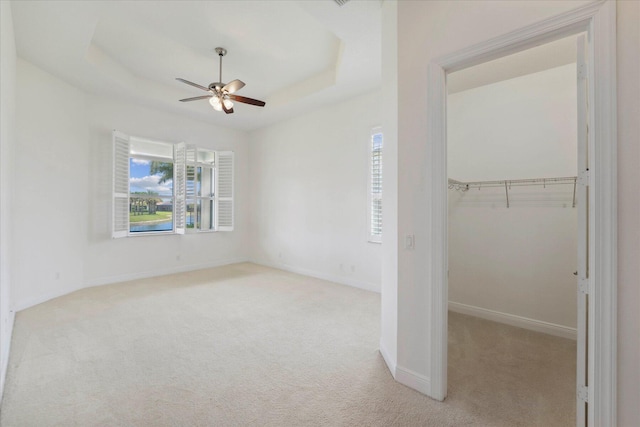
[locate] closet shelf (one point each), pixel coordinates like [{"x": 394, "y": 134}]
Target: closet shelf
[{"x": 508, "y": 183}]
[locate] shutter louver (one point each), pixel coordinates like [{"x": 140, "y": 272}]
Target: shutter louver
[
  {"x": 179, "y": 187},
  {"x": 120, "y": 219},
  {"x": 376, "y": 187},
  {"x": 224, "y": 191}
]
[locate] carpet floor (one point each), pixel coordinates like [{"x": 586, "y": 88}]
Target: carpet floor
[{"x": 245, "y": 345}]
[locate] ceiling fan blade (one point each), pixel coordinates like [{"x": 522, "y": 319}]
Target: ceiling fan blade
[
  {"x": 233, "y": 86},
  {"x": 195, "y": 98},
  {"x": 192, "y": 84},
  {"x": 246, "y": 100}
]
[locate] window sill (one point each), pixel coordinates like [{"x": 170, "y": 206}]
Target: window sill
[{"x": 150, "y": 233}]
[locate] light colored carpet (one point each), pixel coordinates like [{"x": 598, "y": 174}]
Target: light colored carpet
[{"x": 245, "y": 345}]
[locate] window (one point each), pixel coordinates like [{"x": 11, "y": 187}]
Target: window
[
  {"x": 167, "y": 188},
  {"x": 208, "y": 171},
  {"x": 151, "y": 197},
  {"x": 375, "y": 186}
]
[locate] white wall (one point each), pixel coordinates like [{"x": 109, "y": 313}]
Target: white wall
[
  {"x": 49, "y": 220},
  {"x": 424, "y": 34},
  {"x": 7, "y": 144},
  {"x": 62, "y": 212},
  {"x": 516, "y": 261},
  {"x": 523, "y": 127},
  {"x": 427, "y": 30},
  {"x": 309, "y": 194}
]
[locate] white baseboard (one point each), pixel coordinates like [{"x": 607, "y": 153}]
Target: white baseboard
[
  {"x": 513, "y": 320},
  {"x": 391, "y": 363},
  {"x": 30, "y": 302},
  {"x": 6, "y": 350},
  {"x": 413, "y": 380},
  {"x": 367, "y": 286}
]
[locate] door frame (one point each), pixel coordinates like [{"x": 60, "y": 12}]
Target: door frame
[{"x": 598, "y": 20}]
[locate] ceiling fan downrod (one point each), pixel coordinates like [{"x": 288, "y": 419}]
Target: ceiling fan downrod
[{"x": 221, "y": 52}]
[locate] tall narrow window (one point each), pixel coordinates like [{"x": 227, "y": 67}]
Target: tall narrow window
[{"x": 375, "y": 186}]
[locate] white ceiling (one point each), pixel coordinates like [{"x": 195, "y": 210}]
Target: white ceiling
[{"x": 296, "y": 55}]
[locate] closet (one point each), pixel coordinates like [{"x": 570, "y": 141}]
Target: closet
[
  {"x": 512, "y": 229},
  {"x": 512, "y": 162}
]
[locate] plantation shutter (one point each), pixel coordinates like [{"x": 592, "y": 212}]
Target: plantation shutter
[
  {"x": 120, "y": 215},
  {"x": 376, "y": 188},
  {"x": 224, "y": 191},
  {"x": 191, "y": 178},
  {"x": 179, "y": 186}
]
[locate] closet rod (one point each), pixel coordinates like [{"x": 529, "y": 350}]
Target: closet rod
[
  {"x": 508, "y": 183},
  {"x": 513, "y": 182}
]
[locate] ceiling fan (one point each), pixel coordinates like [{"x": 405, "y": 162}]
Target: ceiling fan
[{"x": 221, "y": 95}]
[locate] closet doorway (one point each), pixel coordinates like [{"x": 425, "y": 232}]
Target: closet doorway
[
  {"x": 596, "y": 280},
  {"x": 514, "y": 233}
]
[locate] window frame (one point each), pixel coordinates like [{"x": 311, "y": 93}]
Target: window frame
[
  {"x": 197, "y": 196},
  {"x": 172, "y": 197}
]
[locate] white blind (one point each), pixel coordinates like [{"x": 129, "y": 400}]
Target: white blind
[
  {"x": 375, "y": 198},
  {"x": 120, "y": 218},
  {"x": 179, "y": 187},
  {"x": 224, "y": 191}
]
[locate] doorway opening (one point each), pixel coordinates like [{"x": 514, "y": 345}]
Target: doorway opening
[
  {"x": 598, "y": 20},
  {"x": 512, "y": 161}
]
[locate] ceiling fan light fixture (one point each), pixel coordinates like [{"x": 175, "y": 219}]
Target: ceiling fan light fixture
[
  {"x": 215, "y": 103},
  {"x": 228, "y": 104}
]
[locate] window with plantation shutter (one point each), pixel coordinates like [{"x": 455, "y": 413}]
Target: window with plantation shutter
[
  {"x": 224, "y": 191},
  {"x": 161, "y": 188},
  {"x": 144, "y": 172},
  {"x": 375, "y": 186},
  {"x": 120, "y": 214}
]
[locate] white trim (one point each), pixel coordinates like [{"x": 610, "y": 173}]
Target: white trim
[
  {"x": 391, "y": 363},
  {"x": 6, "y": 348},
  {"x": 603, "y": 227},
  {"x": 341, "y": 280},
  {"x": 599, "y": 20},
  {"x": 438, "y": 240},
  {"x": 413, "y": 379},
  {"x": 23, "y": 305},
  {"x": 513, "y": 320}
]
